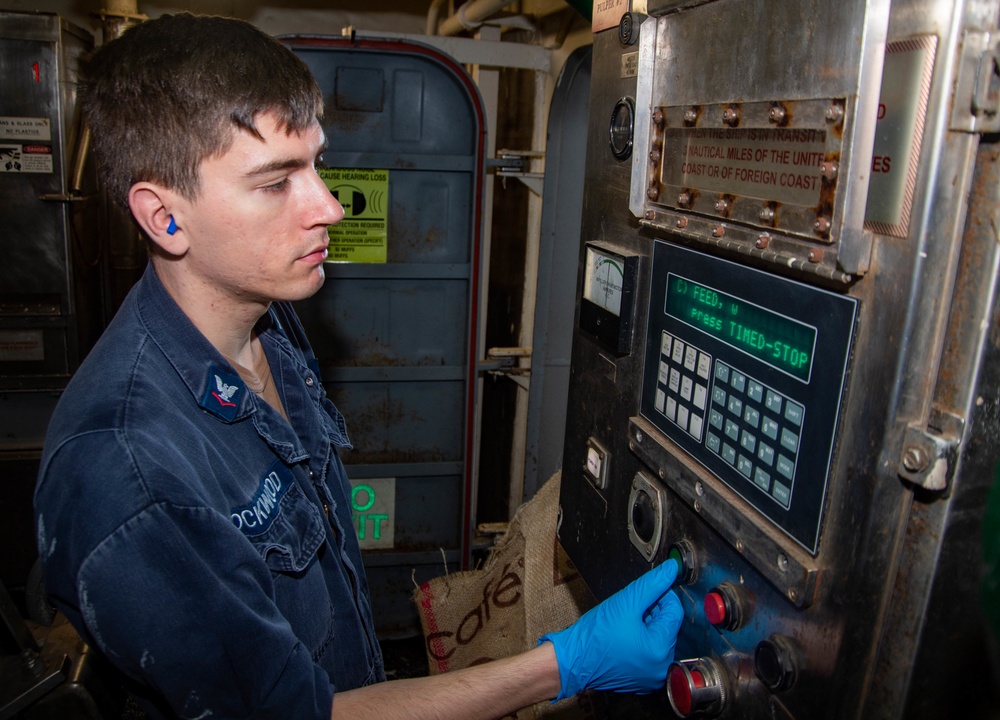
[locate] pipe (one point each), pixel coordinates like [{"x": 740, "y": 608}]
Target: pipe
[
  {"x": 434, "y": 16},
  {"x": 471, "y": 15},
  {"x": 117, "y": 16}
]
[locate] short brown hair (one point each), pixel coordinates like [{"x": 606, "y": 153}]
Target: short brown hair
[{"x": 170, "y": 92}]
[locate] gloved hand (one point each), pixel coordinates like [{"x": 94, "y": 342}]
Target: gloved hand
[{"x": 626, "y": 643}]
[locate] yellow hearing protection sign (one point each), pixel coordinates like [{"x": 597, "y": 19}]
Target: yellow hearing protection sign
[{"x": 361, "y": 237}]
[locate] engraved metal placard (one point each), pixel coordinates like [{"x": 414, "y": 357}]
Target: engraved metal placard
[
  {"x": 781, "y": 165},
  {"x": 773, "y": 165}
]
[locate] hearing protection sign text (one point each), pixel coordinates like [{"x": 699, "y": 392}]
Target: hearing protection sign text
[{"x": 361, "y": 237}]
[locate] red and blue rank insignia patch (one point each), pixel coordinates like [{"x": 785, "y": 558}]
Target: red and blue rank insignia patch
[{"x": 223, "y": 392}]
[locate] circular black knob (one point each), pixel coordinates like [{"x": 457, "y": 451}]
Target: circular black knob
[{"x": 774, "y": 662}]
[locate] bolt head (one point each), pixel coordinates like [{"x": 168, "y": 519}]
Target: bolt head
[
  {"x": 776, "y": 114},
  {"x": 915, "y": 459}
]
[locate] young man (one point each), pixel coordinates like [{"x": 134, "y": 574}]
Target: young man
[{"x": 192, "y": 510}]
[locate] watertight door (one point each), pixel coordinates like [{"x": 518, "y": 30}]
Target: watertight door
[{"x": 394, "y": 325}]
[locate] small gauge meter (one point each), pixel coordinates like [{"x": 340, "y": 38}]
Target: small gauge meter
[
  {"x": 602, "y": 284},
  {"x": 608, "y": 297}
]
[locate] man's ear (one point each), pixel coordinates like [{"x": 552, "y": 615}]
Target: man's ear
[{"x": 153, "y": 207}]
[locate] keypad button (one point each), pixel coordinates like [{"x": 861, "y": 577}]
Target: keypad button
[
  {"x": 682, "y": 417},
  {"x": 687, "y": 387},
  {"x": 781, "y": 493},
  {"x": 735, "y": 406},
  {"x": 762, "y": 479},
  {"x": 690, "y": 359},
  {"x": 732, "y": 430},
  {"x": 769, "y": 427},
  {"x": 713, "y": 442},
  {"x": 789, "y": 440},
  {"x": 677, "y": 355},
  {"x": 722, "y": 372},
  {"x": 671, "y": 409},
  {"x": 700, "y": 396},
  {"x": 751, "y": 417},
  {"x": 663, "y": 374},
  {"x": 744, "y": 466},
  {"x": 728, "y": 453},
  {"x": 793, "y": 413},
  {"x": 661, "y": 398},
  {"x": 666, "y": 342},
  {"x": 704, "y": 365},
  {"x": 675, "y": 380},
  {"x": 785, "y": 466},
  {"x": 755, "y": 390},
  {"x": 695, "y": 425},
  {"x": 772, "y": 401},
  {"x": 748, "y": 442},
  {"x": 719, "y": 395},
  {"x": 715, "y": 419},
  {"x": 765, "y": 453},
  {"x": 738, "y": 380}
]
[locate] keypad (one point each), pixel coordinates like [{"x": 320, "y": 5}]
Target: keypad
[
  {"x": 682, "y": 385},
  {"x": 753, "y": 428}
]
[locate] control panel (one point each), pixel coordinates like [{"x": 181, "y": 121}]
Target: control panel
[
  {"x": 748, "y": 380},
  {"x": 784, "y": 349}
]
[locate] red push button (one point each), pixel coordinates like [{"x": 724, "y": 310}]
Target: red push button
[
  {"x": 695, "y": 687},
  {"x": 726, "y": 606},
  {"x": 715, "y": 608},
  {"x": 682, "y": 689}
]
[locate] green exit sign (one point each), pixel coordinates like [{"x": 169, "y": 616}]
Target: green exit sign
[{"x": 373, "y": 509}]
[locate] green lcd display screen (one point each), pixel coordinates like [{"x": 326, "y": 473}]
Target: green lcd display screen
[{"x": 777, "y": 340}]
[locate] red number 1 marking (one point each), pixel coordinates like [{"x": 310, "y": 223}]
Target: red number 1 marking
[{"x": 38, "y": 77}]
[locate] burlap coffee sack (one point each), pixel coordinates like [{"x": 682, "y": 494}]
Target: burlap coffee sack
[{"x": 526, "y": 587}]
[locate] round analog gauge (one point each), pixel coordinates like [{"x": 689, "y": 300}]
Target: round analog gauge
[
  {"x": 603, "y": 280},
  {"x": 622, "y": 128}
]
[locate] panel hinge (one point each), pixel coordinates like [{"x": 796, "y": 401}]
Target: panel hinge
[{"x": 977, "y": 89}]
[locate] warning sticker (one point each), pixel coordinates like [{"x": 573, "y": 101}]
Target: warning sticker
[
  {"x": 361, "y": 237},
  {"x": 25, "y": 128},
  {"x": 22, "y": 345},
  {"x": 25, "y": 158}
]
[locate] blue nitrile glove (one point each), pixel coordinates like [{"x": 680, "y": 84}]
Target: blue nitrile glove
[{"x": 626, "y": 643}]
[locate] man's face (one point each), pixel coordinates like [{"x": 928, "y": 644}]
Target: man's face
[{"x": 257, "y": 231}]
